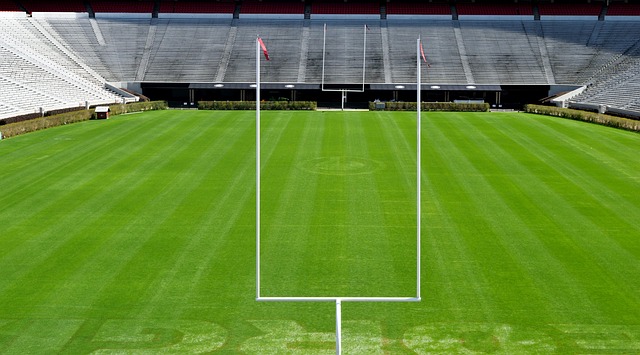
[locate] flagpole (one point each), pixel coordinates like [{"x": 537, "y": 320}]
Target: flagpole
[
  {"x": 257, "y": 167},
  {"x": 364, "y": 56},
  {"x": 324, "y": 46},
  {"x": 418, "y": 124}
]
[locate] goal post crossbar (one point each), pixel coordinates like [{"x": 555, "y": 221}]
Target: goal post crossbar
[{"x": 334, "y": 299}]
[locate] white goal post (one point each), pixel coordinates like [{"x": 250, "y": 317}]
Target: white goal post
[{"x": 338, "y": 300}]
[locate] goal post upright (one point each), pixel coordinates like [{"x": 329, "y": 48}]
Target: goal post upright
[
  {"x": 418, "y": 157},
  {"x": 257, "y": 167}
]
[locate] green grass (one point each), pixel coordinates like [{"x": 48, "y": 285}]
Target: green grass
[{"x": 136, "y": 234}]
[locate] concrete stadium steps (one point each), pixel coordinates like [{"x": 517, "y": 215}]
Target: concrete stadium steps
[
  {"x": 21, "y": 99},
  {"x": 344, "y": 53},
  {"x": 125, "y": 40},
  {"x": 618, "y": 86},
  {"x": 500, "y": 52},
  {"x": 496, "y": 52},
  {"x": 223, "y": 50},
  {"x": 38, "y": 71},
  {"x": 438, "y": 40},
  {"x": 187, "y": 50},
  {"x": 80, "y": 37},
  {"x": 283, "y": 40}
]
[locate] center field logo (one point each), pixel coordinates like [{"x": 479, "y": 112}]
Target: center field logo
[{"x": 341, "y": 165}]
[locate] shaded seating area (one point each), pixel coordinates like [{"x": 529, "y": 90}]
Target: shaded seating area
[
  {"x": 339, "y": 7},
  {"x": 122, "y": 6},
  {"x": 8, "y": 5},
  {"x": 623, "y": 9},
  {"x": 280, "y": 7},
  {"x": 425, "y": 8},
  {"x": 53, "y": 6},
  {"x": 548, "y": 9},
  {"x": 197, "y": 7},
  {"x": 511, "y": 9}
]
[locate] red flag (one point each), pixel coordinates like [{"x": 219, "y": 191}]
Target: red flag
[
  {"x": 423, "y": 56},
  {"x": 264, "y": 48}
]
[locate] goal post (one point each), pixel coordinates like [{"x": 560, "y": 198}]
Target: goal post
[{"x": 338, "y": 300}]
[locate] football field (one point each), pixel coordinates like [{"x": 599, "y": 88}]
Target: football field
[{"x": 137, "y": 234}]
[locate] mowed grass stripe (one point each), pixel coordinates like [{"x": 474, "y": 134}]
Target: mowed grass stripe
[
  {"x": 34, "y": 201},
  {"x": 70, "y": 255},
  {"x": 528, "y": 179},
  {"x": 396, "y": 186},
  {"x": 516, "y": 257},
  {"x": 591, "y": 199},
  {"x": 52, "y": 227},
  {"x": 508, "y": 198},
  {"x": 471, "y": 247},
  {"x": 599, "y": 244},
  {"x": 188, "y": 226},
  {"x": 34, "y": 177},
  {"x": 288, "y": 205},
  {"x": 195, "y": 180},
  {"x": 365, "y": 247},
  {"x": 333, "y": 232},
  {"x": 610, "y": 185}
]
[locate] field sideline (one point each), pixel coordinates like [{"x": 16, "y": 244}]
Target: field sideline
[{"x": 136, "y": 234}]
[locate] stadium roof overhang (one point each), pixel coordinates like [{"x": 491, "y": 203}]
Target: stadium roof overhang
[
  {"x": 382, "y": 87},
  {"x": 267, "y": 86},
  {"x": 466, "y": 87}
]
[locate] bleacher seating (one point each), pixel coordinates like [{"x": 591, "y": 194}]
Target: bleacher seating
[
  {"x": 283, "y": 39},
  {"x": 622, "y": 9},
  {"x": 38, "y": 72},
  {"x": 122, "y": 6},
  {"x": 503, "y": 52},
  {"x": 438, "y": 40},
  {"x": 344, "y": 53},
  {"x": 339, "y": 7},
  {"x": 569, "y": 9},
  {"x": 195, "y": 50},
  {"x": 197, "y": 7},
  {"x": 280, "y": 7},
  {"x": 177, "y": 59},
  {"x": 616, "y": 85},
  {"x": 421, "y": 8},
  {"x": 53, "y": 6},
  {"x": 574, "y": 50},
  {"x": 494, "y": 9}
]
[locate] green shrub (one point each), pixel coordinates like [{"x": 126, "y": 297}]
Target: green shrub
[
  {"x": 586, "y": 116},
  {"x": 14, "y": 129},
  {"x": 251, "y": 105},
  {"x": 74, "y": 115},
  {"x": 433, "y": 106},
  {"x": 118, "y": 109}
]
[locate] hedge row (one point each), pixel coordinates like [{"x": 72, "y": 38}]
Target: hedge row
[
  {"x": 251, "y": 105},
  {"x": 119, "y": 109},
  {"x": 432, "y": 106},
  {"x": 31, "y": 116},
  {"x": 586, "y": 116},
  {"x": 17, "y": 128}
]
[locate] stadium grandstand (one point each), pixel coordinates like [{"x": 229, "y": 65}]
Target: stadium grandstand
[{"x": 60, "y": 55}]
